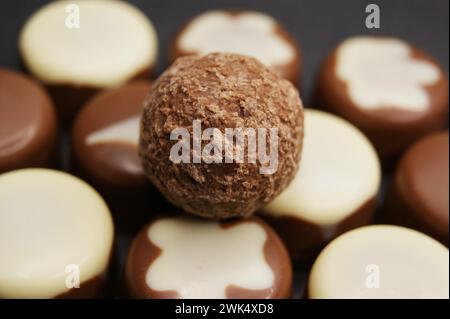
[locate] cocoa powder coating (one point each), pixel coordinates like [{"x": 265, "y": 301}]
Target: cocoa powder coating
[{"x": 222, "y": 91}]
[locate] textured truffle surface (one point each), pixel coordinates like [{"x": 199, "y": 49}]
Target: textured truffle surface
[{"x": 222, "y": 91}]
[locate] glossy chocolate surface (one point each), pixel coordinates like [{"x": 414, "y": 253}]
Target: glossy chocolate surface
[
  {"x": 418, "y": 196},
  {"x": 215, "y": 268},
  {"x": 104, "y": 139},
  {"x": 334, "y": 190},
  {"x": 58, "y": 239},
  {"x": 28, "y": 126},
  {"x": 390, "y": 127}
]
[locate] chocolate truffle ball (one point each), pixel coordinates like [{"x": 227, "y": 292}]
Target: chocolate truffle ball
[
  {"x": 381, "y": 262},
  {"x": 244, "y": 32},
  {"x": 56, "y": 236},
  {"x": 105, "y": 139},
  {"x": 334, "y": 190},
  {"x": 28, "y": 125},
  {"x": 388, "y": 88},
  {"x": 187, "y": 257},
  {"x": 77, "y": 48},
  {"x": 418, "y": 196},
  {"x": 244, "y": 104}
]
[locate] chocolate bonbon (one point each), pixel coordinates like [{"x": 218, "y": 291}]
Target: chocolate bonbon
[
  {"x": 244, "y": 32},
  {"x": 334, "y": 190},
  {"x": 418, "y": 196},
  {"x": 105, "y": 138},
  {"x": 77, "y": 48},
  {"x": 186, "y": 257},
  {"x": 221, "y": 92},
  {"x": 56, "y": 234},
  {"x": 391, "y": 90},
  {"x": 28, "y": 125},
  {"x": 381, "y": 261}
]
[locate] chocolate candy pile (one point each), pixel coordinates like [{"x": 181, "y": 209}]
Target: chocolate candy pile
[{"x": 93, "y": 151}]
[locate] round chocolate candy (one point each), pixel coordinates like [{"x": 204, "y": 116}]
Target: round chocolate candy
[
  {"x": 28, "y": 126},
  {"x": 77, "y": 48},
  {"x": 202, "y": 121},
  {"x": 392, "y": 91},
  {"x": 244, "y": 32},
  {"x": 182, "y": 257},
  {"x": 382, "y": 261},
  {"x": 334, "y": 190},
  {"x": 56, "y": 236},
  {"x": 105, "y": 140},
  {"x": 418, "y": 197}
]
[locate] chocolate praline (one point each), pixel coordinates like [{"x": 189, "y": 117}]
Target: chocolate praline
[
  {"x": 419, "y": 193},
  {"x": 28, "y": 125},
  {"x": 56, "y": 236},
  {"x": 188, "y": 257},
  {"x": 391, "y": 90},
  {"x": 77, "y": 49},
  {"x": 105, "y": 138},
  {"x": 249, "y": 33},
  {"x": 381, "y": 262},
  {"x": 334, "y": 190},
  {"x": 220, "y": 91}
]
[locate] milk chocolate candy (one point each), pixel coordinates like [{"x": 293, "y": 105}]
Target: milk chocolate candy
[
  {"x": 77, "y": 48},
  {"x": 381, "y": 262},
  {"x": 28, "y": 126},
  {"x": 105, "y": 136},
  {"x": 186, "y": 257},
  {"x": 334, "y": 189},
  {"x": 239, "y": 100},
  {"x": 391, "y": 90},
  {"x": 244, "y": 32},
  {"x": 419, "y": 194},
  {"x": 56, "y": 236}
]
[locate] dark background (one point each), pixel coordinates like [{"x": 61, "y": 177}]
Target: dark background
[{"x": 318, "y": 25}]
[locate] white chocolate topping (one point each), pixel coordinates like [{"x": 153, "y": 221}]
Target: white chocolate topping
[
  {"x": 125, "y": 131},
  {"x": 339, "y": 172},
  {"x": 50, "y": 220},
  {"x": 114, "y": 42},
  {"x": 381, "y": 72},
  {"x": 200, "y": 259},
  {"x": 381, "y": 261},
  {"x": 248, "y": 33}
]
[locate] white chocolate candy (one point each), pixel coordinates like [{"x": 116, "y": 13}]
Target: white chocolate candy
[
  {"x": 125, "y": 131},
  {"x": 381, "y": 262},
  {"x": 114, "y": 42},
  {"x": 248, "y": 33},
  {"x": 339, "y": 172},
  {"x": 200, "y": 259},
  {"x": 383, "y": 73},
  {"x": 49, "y": 222}
]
